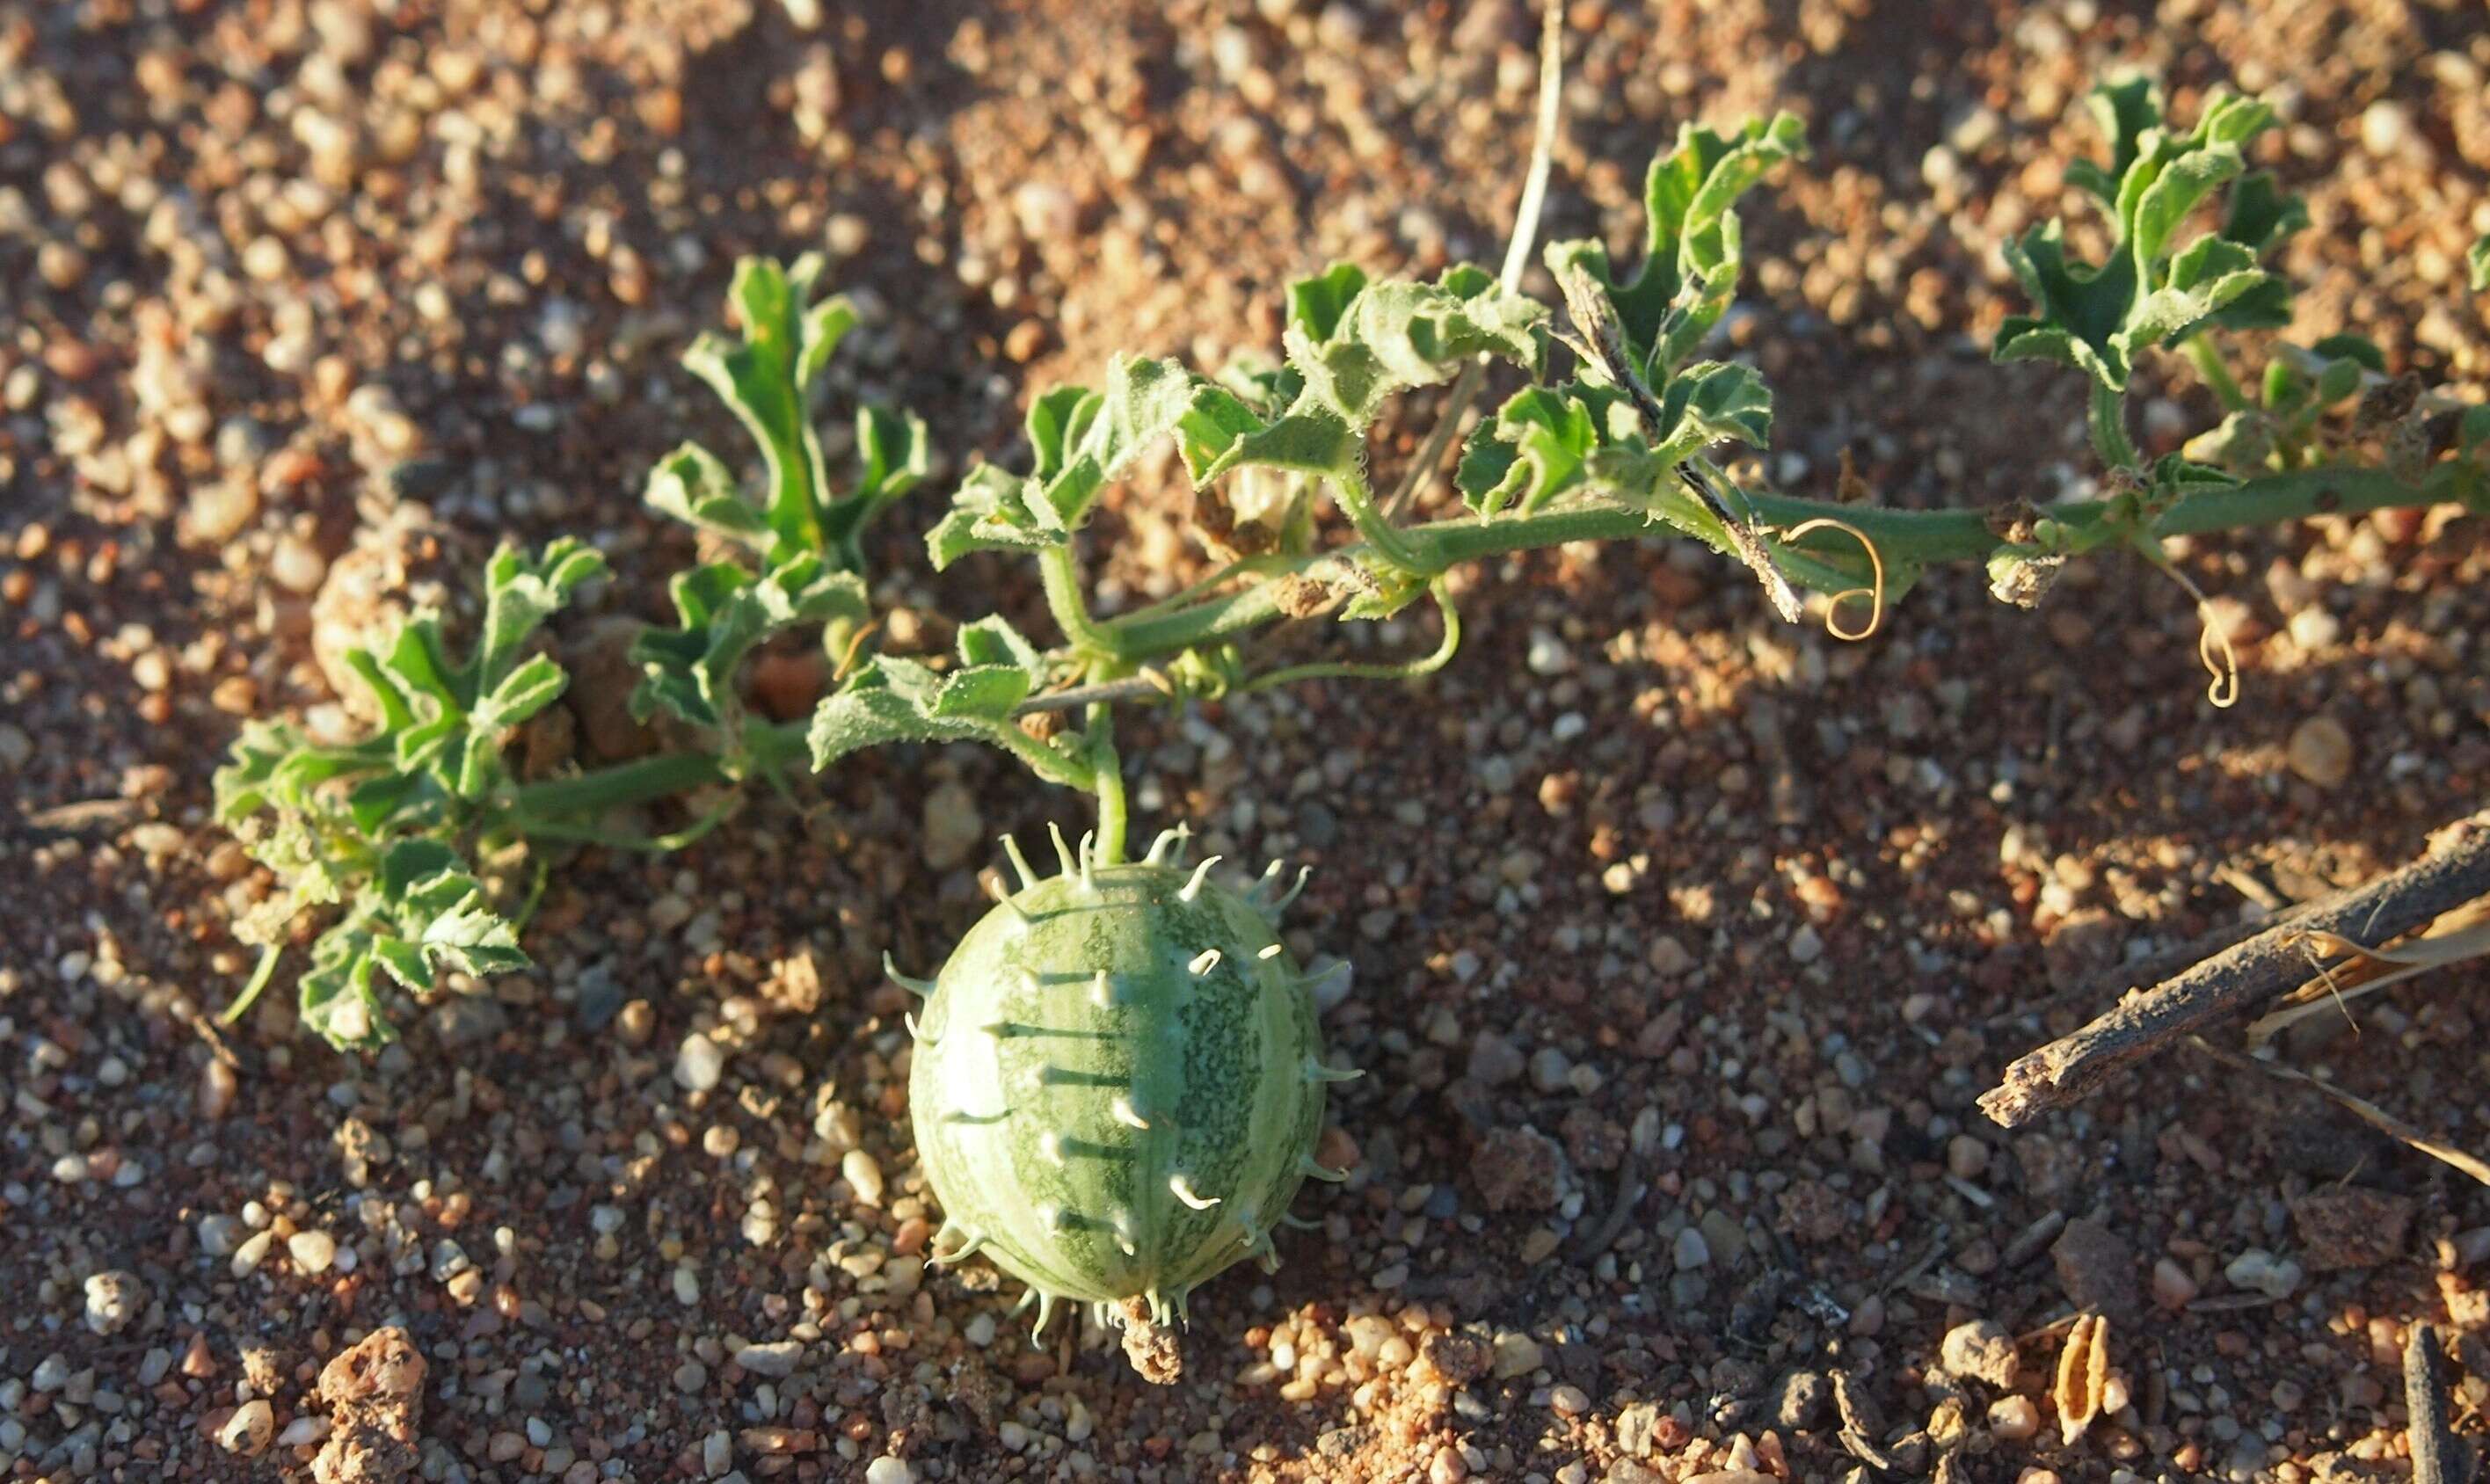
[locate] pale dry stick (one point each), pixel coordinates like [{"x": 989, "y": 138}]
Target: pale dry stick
[
  {"x": 2457, "y": 936},
  {"x": 2361, "y": 1107},
  {"x": 1602, "y": 343},
  {"x": 2437, "y": 1457},
  {"x": 1517, "y": 251},
  {"x": 2068, "y": 1069}
]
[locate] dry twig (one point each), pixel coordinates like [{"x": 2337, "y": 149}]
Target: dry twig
[
  {"x": 2361, "y": 1107},
  {"x": 2240, "y": 977},
  {"x": 2437, "y": 1457}
]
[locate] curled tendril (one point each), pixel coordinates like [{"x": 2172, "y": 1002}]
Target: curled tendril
[
  {"x": 1411, "y": 669},
  {"x": 2213, "y": 645},
  {"x": 855, "y": 651},
  {"x": 1875, "y": 593}
]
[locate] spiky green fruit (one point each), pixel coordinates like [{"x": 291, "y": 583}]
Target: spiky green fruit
[{"x": 1118, "y": 1083}]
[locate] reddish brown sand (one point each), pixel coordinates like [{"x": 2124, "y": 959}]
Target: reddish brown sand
[{"x": 1646, "y": 889}]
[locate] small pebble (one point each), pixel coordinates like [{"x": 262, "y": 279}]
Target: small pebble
[
  {"x": 2260, "y": 1271},
  {"x": 698, "y": 1064},
  {"x": 297, "y": 565},
  {"x": 248, "y": 1431},
  {"x": 887, "y": 1471},
  {"x": 2320, "y": 751},
  {"x": 1984, "y": 1350},
  {"x": 252, "y": 1252},
  {"x": 1548, "y": 1067},
  {"x": 302, "y": 1431},
  {"x": 1515, "y": 1354},
  {"x": 864, "y": 1173},
  {"x": 776, "y": 1359},
  {"x": 1493, "y": 1060},
  {"x": 2013, "y": 1420},
  {"x": 2174, "y": 1288},
  {"x": 312, "y": 1251},
  {"x": 1692, "y": 1252},
  {"x": 112, "y": 1300}
]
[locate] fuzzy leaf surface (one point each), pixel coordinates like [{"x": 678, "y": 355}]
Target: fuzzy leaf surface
[
  {"x": 1692, "y": 247},
  {"x": 897, "y": 699},
  {"x": 2159, "y": 285},
  {"x": 722, "y": 611},
  {"x": 423, "y": 912},
  {"x": 1079, "y": 441}
]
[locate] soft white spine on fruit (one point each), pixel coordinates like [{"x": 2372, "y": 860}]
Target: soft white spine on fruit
[
  {"x": 1003, "y": 899},
  {"x": 922, "y": 989},
  {"x": 1317, "y": 1071},
  {"x": 1168, "y": 840},
  {"x": 1315, "y": 1170},
  {"x": 1020, "y": 863},
  {"x": 1193, "y": 887},
  {"x": 1265, "y": 893}
]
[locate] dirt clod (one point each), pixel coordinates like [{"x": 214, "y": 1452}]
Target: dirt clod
[
  {"x": 374, "y": 1392},
  {"x": 2352, "y": 1226}
]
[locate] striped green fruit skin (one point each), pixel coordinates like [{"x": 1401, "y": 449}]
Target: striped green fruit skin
[{"x": 1032, "y": 1077}]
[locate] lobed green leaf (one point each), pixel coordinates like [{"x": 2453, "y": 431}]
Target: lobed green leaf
[
  {"x": 1691, "y": 249},
  {"x": 2155, "y": 289},
  {"x": 896, "y": 699},
  {"x": 1548, "y": 442},
  {"x": 422, "y": 912},
  {"x": 1537, "y": 446},
  {"x": 767, "y": 379},
  {"x": 1079, "y": 441},
  {"x": 722, "y": 612}
]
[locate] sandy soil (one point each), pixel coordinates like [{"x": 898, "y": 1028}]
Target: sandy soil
[{"x": 1652, "y": 901}]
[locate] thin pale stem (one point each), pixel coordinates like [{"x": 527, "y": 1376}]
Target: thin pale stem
[
  {"x": 1408, "y": 669},
  {"x": 1517, "y": 250},
  {"x": 2207, "y": 358}
]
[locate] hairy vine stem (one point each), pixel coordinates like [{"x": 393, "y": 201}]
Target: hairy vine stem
[{"x": 1914, "y": 537}]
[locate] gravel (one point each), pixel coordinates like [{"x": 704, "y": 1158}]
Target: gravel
[{"x": 319, "y": 301}]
